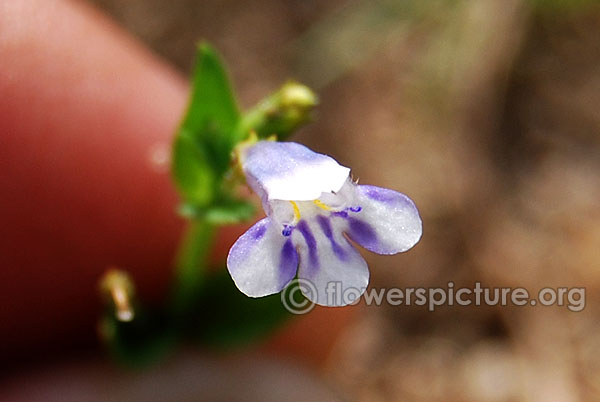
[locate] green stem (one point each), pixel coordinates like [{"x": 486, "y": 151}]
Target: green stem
[
  {"x": 191, "y": 264},
  {"x": 257, "y": 118}
]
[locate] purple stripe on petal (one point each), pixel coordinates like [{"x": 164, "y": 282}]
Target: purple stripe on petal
[
  {"x": 326, "y": 228},
  {"x": 362, "y": 233},
  {"x": 311, "y": 243},
  {"x": 288, "y": 262}
]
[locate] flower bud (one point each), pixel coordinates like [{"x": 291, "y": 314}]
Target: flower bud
[{"x": 281, "y": 113}]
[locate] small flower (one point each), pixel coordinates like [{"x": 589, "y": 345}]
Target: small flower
[{"x": 312, "y": 204}]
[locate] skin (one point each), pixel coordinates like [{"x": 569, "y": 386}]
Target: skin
[
  {"x": 82, "y": 109},
  {"x": 86, "y": 117}
]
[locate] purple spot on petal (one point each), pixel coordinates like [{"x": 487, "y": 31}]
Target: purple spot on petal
[
  {"x": 326, "y": 228},
  {"x": 258, "y": 232},
  {"x": 288, "y": 262},
  {"x": 342, "y": 214},
  {"x": 311, "y": 243},
  {"x": 362, "y": 233},
  {"x": 355, "y": 209},
  {"x": 380, "y": 194}
]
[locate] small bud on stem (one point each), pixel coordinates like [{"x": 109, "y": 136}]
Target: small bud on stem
[
  {"x": 118, "y": 287},
  {"x": 280, "y": 113}
]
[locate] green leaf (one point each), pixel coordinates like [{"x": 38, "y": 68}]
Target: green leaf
[
  {"x": 212, "y": 99},
  {"x": 203, "y": 144},
  {"x": 193, "y": 174}
]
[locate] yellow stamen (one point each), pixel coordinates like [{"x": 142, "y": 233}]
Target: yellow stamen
[
  {"x": 321, "y": 205},
  {"x": 296, "y": 211}
]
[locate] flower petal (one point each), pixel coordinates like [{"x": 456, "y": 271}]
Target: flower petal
[
  {"x": 290, "y": 171},
  {"x": 333, "y": 266},
  {"x": 388, "y": 222},
  {"x": 262, "y": 261}
]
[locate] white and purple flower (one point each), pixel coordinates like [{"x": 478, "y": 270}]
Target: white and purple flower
[{"x": 312, "y": 204}]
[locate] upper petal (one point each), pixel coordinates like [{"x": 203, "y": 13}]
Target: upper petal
[
  {"x": 262, "y": 261},
  {"x": 290, "y": 171},
  {"x": 337, "y": 272},
  {"x": 388, "y": 221}
]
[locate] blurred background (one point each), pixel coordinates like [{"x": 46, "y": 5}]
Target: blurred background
[{"x": 486, "y": 113}]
